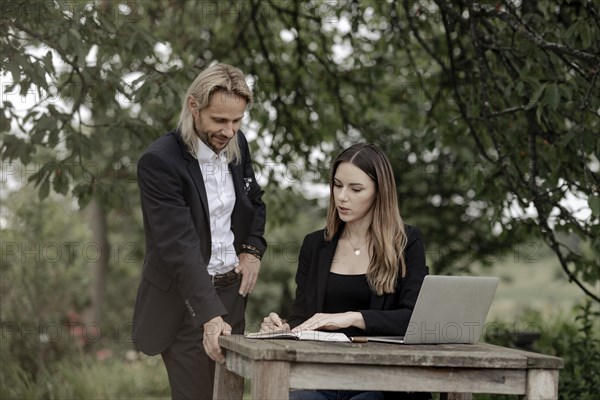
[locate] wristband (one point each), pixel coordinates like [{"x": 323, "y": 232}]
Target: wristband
[{"x": 246, "y": 248}]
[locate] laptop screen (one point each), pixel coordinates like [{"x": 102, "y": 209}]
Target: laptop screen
[{"x": 451, "y": 309}]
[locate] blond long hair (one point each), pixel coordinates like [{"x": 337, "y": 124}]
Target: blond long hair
[
  {"x": 216, "y": 78},
  {"x": 387, "y": 235}
]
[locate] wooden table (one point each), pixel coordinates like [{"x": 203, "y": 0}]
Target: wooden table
[{"x": 275, "y": 365}]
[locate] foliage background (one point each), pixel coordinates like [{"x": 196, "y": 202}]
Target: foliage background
[{"x": 489, "y": 112}]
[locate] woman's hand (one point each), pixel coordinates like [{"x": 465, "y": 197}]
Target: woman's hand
[
  {"x": 273, "y": 322},
  {"x": 331, "y": 322}
]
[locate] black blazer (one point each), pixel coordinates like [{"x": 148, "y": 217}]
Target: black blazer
[
  {"x": 388, "y": 314},
  {"x": 175, "y": 281}
]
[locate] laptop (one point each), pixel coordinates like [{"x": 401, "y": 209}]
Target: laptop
[{"x": 449, "y": 309}]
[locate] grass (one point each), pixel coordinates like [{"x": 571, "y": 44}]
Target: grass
[{"x": 83, "y": 377}]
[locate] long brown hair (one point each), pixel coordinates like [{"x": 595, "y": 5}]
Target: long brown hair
[
  {"x": 216, "y": 78},
  {"x": 387, "y": 236}
]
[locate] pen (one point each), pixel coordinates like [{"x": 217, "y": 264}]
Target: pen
[{"x": 359, "y": 339}]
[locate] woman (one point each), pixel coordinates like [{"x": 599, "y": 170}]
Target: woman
[{"x": 362, "y": 274}]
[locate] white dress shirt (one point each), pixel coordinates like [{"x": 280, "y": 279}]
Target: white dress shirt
[{"x": 221, "y": 200}]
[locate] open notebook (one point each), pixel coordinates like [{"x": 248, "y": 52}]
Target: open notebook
[{"x": 322, "y": 336}]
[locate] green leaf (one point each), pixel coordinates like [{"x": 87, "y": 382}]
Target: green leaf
[
  {"x": 44, "y": 189},
  {"x": 586, "y": 35},
  {"x": 53, "y": 138},
  {"x": 537, "y": 95},
  {"x": 564, "y": 140},
  {"x": 594, "y": 203},
  {"x": 520, "y": 88},
  {"x": 15, "y": 71},
  {"x": 4, "y": 123},
  {"x": 61, "y": 182},
  {"x": 15, "y": 148},
  {"x": 566, "y": 92},
  {"x": 45, "y": 123},
  {"x": 63, "y": 42},
  {"x": 572, "y": 31},
  {"x": 48, "y": 62},
  {"x": 75, "y": 33},
  {"x": 552, "y": 96},
  {"x": 538, "y": 113}
]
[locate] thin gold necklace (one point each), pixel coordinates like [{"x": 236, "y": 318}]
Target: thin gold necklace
[{"x": 356, "y": 249}]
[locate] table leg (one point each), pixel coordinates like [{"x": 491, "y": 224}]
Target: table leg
[
  {"x": 228, "y": 386},
  {"x": 542, "y": 384},
  {"x": 270, "y": 380},
  {"x": 456, "y": 396}
]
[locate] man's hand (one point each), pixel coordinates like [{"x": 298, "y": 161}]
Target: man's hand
[
  {"x": 210, "y": 340},
  {"x": 331, "y": 322},
  {"x": 249, "y": 267}
]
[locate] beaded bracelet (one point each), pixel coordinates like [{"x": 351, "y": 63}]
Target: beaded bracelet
[{"x": 246, "y": 248}]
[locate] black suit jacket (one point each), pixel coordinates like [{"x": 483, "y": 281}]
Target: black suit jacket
[
  {"x": 175, "y": 280},
  {"x": 388, "y": 314}
]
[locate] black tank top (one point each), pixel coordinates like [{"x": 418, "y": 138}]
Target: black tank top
[{"x": 347, "y": 293}]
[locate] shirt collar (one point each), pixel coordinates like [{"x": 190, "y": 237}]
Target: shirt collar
[{"x": 206, "y": 154}]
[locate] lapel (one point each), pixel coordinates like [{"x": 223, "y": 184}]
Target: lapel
[
  {"x": 236, "y": 178},
  {"x": 326, "y": 255},
  {"x": 194, "y": 170},
  {"x": 324, "y": 265}
]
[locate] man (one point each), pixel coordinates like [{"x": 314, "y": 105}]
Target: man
[{"x": 203, "y": 223}]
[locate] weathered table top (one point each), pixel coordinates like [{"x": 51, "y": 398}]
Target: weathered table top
[{"x": 449, "y": 368}]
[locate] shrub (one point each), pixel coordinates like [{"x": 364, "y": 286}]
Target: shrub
[{"x": 576, "y": 342}]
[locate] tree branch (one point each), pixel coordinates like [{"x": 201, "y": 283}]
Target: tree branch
[
  {"x": 459, "y": 100},
  {"x": 521, "y": 28}
]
